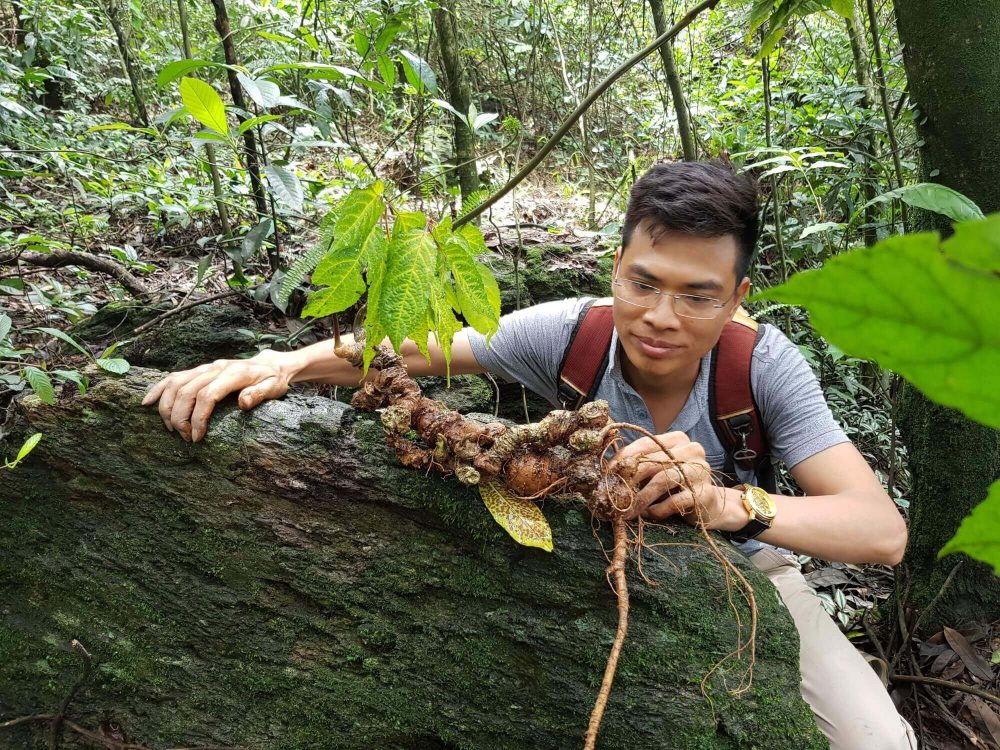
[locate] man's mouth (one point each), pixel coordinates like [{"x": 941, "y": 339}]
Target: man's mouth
[{"x": 656, "y": 348}]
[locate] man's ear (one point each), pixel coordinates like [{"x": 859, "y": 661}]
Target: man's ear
[
  {"x": 741, "y": 293},
  {"x": 618, "y": 262}
]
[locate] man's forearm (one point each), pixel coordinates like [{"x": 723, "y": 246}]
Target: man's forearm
[
  {"x": 320, "y": 364},
  {"x": 852, "y": 527}
]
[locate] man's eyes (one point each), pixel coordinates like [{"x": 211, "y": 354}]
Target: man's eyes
[{"x": 693, "y": 299}]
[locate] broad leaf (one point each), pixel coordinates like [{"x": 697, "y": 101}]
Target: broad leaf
[
  {"x": 254, "y": 239},
  {"x": 387, "y": 70},
  {"x": 254, "y": 122},
  {"x": 73, "y": 377},
  {"x": 172, "y": 71},
  {"x": 358, "y": 215},
  {"x": 116, "y": 365},
  {"x": 521, "y": 518},
  {"x": 204, "y": 104},
  {"x": 65, "y": 338},
  {"x": 407, "y": 285},
  {"x": 285, "y": 185},
  {"x": 392, "y": 27},
  {"x": 978, "y": 535},
  {"x": 933, "y": 197},
  {"x": 976, "y": 244},
  {"x": 418, "y": 73},
  {"x": 342, "y": 294},
  {"x": 906, "y": 305},
  {"x": 844, "y": 8},
  {"x": 473, "y": 301},
  {"x": 122, "y": 126},
  {"x": 5, "y": 325},
  {"x": 264, "y": 93},
  {"x": 29, "y": 445},
  {"x": 40, "y": 384}
]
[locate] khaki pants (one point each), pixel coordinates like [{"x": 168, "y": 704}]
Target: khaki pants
[{"x": 851, "y": 706}]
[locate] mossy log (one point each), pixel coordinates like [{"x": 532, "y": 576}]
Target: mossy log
[{"x": 286, "y": 584}]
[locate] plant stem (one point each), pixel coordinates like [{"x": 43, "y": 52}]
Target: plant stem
[{"x": 584, "y": 105}]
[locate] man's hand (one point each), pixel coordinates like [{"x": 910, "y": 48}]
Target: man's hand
[
  {"x": 678, "y": 486},
  {"x": 187, "y": 398}
]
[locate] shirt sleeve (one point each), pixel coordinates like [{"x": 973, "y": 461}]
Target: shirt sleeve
[
  {"x": 797, "y": 418},
  {"x": 529, "y": 345}
]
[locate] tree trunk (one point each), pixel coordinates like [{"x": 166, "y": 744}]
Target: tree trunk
[
  {"x": 288, "y": 584},
  {"x": 220, "y": 199},
  {"x": 113, "y": 10},
  {"x": 249, "y": 141},
  {"x": 674, "y": 82},
  {"x": 862, "y": 70},
  {"x": 952, "y": 57},
  {"x": 459, "y": 96}
]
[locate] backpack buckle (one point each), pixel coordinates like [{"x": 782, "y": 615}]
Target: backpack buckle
[{"x": 741, "y": 425}]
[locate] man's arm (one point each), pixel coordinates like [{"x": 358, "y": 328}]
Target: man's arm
[
  {"x": 846, "y": 516},
  {"x": 187, "y": 398}
]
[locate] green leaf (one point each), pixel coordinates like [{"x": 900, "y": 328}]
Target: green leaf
[
  {"x": 73, "y": 377},
  {"x": 408, "y": 281},
  {"x": 254, "y": 122},
  {"x": 906, "y": 305},
  {"x": 303, "y": 266},
  {"x": 975, "y": 244},
  {"x": 5, "y": 326},
  {"x": 358, "y": 215},
  {"x": 392, "y": 27},
  {"x": 64, "y": 337},
  {"x": 254, "y": 239},
  {"x": 264, "y": 93},
  {"x": 759, "y": 13},
  {"x": 844, "y": 8},
  {"x": 361, "y": 42},
  {"x": 824, "y": 226},
  {"x": 29, "y": 445},
  {"x": 172, "y": 71},
  {"x": 204, "y": 105},
  {"x": 339, "y": 296},
  {"x": 373, "y": 251},
  {"x": 521, "y": 518},
  {"x": 418, "y": 73},
  {"x": 285, "y": 185},
  {"x": 116, "y": 365},
  {"x": 408, "y": 220},
  {"x": 978, "y": 535},
  {"x": 470, "y": 286},
  {"x": 40, "y": 384},
  {"x": 386, "y": 69},
  {"x": 932, "y": 197}
]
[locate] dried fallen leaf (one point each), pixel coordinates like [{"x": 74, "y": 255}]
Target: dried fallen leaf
[
  {"x": 975, "y": 663},
  {"x": 987, "y": 717}
]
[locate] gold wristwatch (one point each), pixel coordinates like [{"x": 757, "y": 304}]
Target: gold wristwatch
[{"x": 762, "y": 510}]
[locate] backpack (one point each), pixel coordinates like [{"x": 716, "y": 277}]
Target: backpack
[{"x": 732, "y": 409}]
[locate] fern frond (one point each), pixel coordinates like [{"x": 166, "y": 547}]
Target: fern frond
[
  {"x": 473, "y": 201},
  {"x": 308, "y": 262}
]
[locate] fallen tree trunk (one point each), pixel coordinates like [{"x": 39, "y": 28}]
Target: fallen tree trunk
[{"x": 288, "y": 584}]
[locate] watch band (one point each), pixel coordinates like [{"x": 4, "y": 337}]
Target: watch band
[{"x": 750, "y": 531}]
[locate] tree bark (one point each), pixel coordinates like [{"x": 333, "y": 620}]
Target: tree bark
[
  {"x": 236, "y": 91},
  {"x": 288, "y": 584},
  {"x": 952, "y": 58},
  {"x": 459, "y": 95},
  {"x": 112, "y": 10},
  {"x": 674, "y": 82}
]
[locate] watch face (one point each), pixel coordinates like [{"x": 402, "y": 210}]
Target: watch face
[{"x": 761, "y": 502}]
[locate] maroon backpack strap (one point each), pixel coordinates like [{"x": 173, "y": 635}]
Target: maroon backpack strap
[
  {"x": 733, "y": 411},
  {"x": 586, "y": 356}
]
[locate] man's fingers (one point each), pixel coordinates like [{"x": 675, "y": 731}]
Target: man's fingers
[
  {"x": 271, "y": 387},
  {"x": 153, "y": 394},
  {"x": 648, "y": 445},
  {"x": 679, "y": 504},
  {"x": 184, "y": 401}
]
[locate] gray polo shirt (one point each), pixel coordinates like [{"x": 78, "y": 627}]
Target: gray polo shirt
[{"x": 529, "y": 346}]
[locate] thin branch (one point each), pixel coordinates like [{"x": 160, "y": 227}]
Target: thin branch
[
  {"x": 584, "y": 105},
  {"x": 91, "y": 262},
  {"x": 986, "y": 696}
]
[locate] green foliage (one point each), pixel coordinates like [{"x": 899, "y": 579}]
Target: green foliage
[
  {"x": 775, "y": 15},
  {"x": 204, "y": 105},
  {"x": 40, "y": 384},
  {"x": 933, "y": 197},
  {"x": 913, "y": 304},
  {"x": 26, "y": 448}
]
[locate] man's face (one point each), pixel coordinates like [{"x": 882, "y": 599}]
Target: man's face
[{"x": 657, "y": 341}]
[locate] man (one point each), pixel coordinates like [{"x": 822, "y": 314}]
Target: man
[{"x": 689, "y": 234}]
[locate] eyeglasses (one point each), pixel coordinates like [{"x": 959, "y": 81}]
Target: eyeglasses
[{"x": 685, "y": 305}]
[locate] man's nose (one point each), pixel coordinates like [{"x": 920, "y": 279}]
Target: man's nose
[{"x": 663, "y": 314}]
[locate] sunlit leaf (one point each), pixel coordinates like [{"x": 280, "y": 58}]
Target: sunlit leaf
[
  {"x": 65, "y": 338},
  {"x": 114, "y": 364},
  {"x": 386, "y": 69},
  {"x": 204, "y": 104},
  {"x": 40, "y": 384},
  {"x": 978, "y": 535},
  {"x": 358, "y": 214},
  {"x": 844, "y": 8},
  {"x": 904, "y": 304},
  {"x": 520, "y": 518},
  {"x": 976, "y": 244},
  {"x": 29, "y": 445},
  {"x": 172, "y": 71},
  {"x": 418, "y": 72},
  {"x": 406, "y": 288}
]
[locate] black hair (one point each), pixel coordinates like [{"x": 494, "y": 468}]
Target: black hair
[{"x": 702, "y": 198}]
